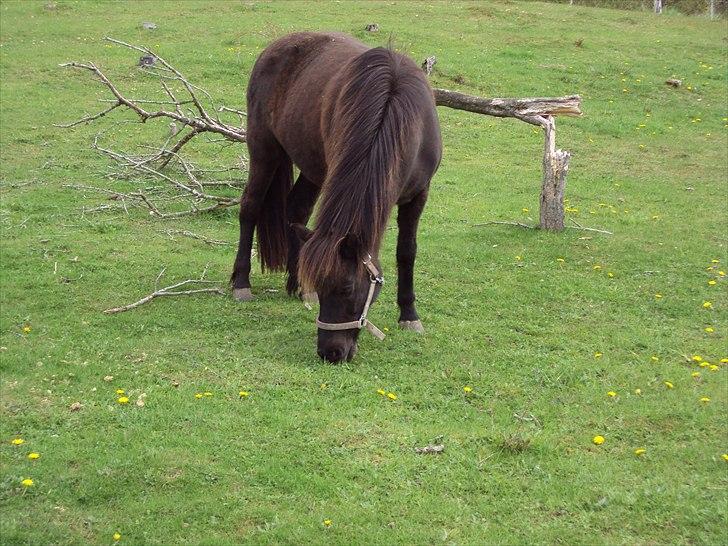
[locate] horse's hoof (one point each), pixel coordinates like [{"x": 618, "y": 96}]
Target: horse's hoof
[
  {"x": 243, "y": 294},
  {"x": 414, "y": 325},
  {"x": 311, "y": 298}
]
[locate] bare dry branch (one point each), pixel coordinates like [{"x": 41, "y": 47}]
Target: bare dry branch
[
  {"x": 172, "y": 290},
  {"x": 191, "y": 235}
]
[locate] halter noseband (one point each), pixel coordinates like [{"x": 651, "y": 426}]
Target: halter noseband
[{"x": 375, "y": 278}]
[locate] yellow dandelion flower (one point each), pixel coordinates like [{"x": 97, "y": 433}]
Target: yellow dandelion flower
[
  {"x": 696, "y": 375},
  {"x": 721, "y": 273},
  {"x": 245, "y": 394},
  {"x": 32, "y": 456},
  {"x": 704, "y": 364},
  {"x": 117, "y": 537},
  {"x": 640, "y": 451},
  {"x": 391, "y": 396},
  {"x": 715, "y": 261},
  {"x": 524, "y": 210},
  {"x": 638, "y": 392},
  {"x": 658, "y": 296},
  {"x": 518, "y": 258},
  {"x": 17, "y": 441},
  {"x": 123, "y": 400},
  {"x": 198, "y": 395},
  {"x": 382, "y": 392},
  {"x": 707, "y": 305},
  {"x": 669, "y": 385},
  {"x": 655, "y": 358},
  {"x": 27, "y": 482},
  {"x": 710, "y": 330},
  {"x": 27, "y": 329},
  {"x": 724, "y": 360},
  {"x": 207, "y": 393},
  {"x": 560, "y": 260},
  {"x": 597, "y": 355},
  {"x": 725, "y": 456},
  {"x": 119, "y": 391},
  {"x": 705, "y": 399},
  {"x": 610, "y": 274},
  {"x": 597, "y": 267},
  {"x": 711, "y": 282},
  {"x": 612, "y": 394},
  {"x": 713, "y": 368},
  {"x": 328, "y": 523},
  {"x": 697, "y": 358},
  {"x": 467, "y": 389},
  {"x": 598, "y": 440}
]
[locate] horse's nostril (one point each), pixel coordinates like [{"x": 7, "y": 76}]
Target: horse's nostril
[{"x": 333, "y": 355}]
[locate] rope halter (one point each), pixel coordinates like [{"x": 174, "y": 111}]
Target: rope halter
[{"x": 375, "y": 278}]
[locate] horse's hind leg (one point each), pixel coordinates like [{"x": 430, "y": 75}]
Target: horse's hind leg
[
  {"x": 265, "y": 161},
  {"x": 299, "y": 206},
  {"x": 408, "y": 217}
]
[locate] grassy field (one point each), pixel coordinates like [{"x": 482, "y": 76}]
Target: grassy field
[{"x": 540, "y": 326}]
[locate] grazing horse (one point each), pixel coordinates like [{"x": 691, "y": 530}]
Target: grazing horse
[{"x": 361, "y": 126}]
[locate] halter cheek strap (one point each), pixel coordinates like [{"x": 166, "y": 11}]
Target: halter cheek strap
[{"x": 375, "y": 278}]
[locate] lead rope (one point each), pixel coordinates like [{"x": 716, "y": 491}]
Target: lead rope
[{"x": 374, "y": 279}]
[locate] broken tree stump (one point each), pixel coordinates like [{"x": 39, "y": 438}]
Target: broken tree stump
[{"x": 536, "y": 111}]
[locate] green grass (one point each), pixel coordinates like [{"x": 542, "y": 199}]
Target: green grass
[{"x": 519, "y": 465}]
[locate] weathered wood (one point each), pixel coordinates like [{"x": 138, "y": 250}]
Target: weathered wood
[
  {"x": 528, "y": 110},
  {"x": 555, "y": 168},
  {"x": 658, "y": 6}
]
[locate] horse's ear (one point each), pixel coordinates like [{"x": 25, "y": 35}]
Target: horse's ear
[
  {"x": 350, "y": 247},
  {"x": 302, "y": 232}
]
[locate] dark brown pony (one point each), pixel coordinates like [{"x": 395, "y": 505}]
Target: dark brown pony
[{"x": 361, "y": 126}]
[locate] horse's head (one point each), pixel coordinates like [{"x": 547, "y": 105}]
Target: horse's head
[{"x": 345, "y": 292}]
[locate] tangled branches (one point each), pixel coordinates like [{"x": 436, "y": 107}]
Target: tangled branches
[{"x": 181, "y": 181}]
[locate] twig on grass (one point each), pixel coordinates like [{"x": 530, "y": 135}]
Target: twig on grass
[
  {"x": 171, "y": 290},
  {"x": 192, "y": 235}
]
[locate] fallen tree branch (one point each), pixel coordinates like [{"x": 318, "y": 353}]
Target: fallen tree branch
[
  {"x": 191, "y": 235},
  {"x": 168, "y": 291}
]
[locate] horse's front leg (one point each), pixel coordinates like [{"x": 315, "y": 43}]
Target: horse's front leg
[{"x": 408, "y": 216}]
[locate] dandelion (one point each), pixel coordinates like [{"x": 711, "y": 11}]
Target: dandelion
[
  {"x": 245, "y": 394},
  {"x": 655, "y": 358},
  {"x": 707, "y": 305},
  {"x": 33, "y": 456},
  {"x": 715, "y": 261},
  {"x": 697, "y": 358},
  {"x": 27, "y": 482},
  {"x": 710, "y": 329},
  {"x": 597, "y": 355},
  {"x": 610, "y": 274},
  {"x": 725, "y": 456},
  {"x": 640, "y": 451},
  {"x": 704, "y": 364},
  {"x": 560, "y": 260},
  {"x": 207, "y": 393},
  {"x": 669, "y": 385},
  {"x": 724, "y": 360},
  {"x": 721, "y": 273},
  {"x": 713, "y": 368},
  {"x": 467, "y": 389},
  {"x": 711, "y": 282},
  {"x": 524, "y": 210},
  {"x": 705, "y": 399},
  {"x": 598, "y": 440},
  {"x": 123, "y": 400},
  {"x": 198, "y": 395},
  {"x": 117, "y": 537},
  {"x": 27, "y": 329},
  {"x": 638, "y": 392},
  {"x": 17, "y": 441},
  {"x": 597, "y": 267},
  {"x": 328, "y": 523},
  {"x": 119, "y": 391},
  {"x": 696, "y": 375},
  {"x": 391, "y": 396},
  {"x": 658, "y": 296},
  {"x": 518, "y": 258},
  {"x": 382, "y": 392}
]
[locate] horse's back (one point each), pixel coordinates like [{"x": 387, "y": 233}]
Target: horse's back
[{"x": 287, "y": 89}]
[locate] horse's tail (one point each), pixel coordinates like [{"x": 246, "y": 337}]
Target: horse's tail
[
  {"x": 271, "y": 222},
  {"x": 376, "y": 111}
]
